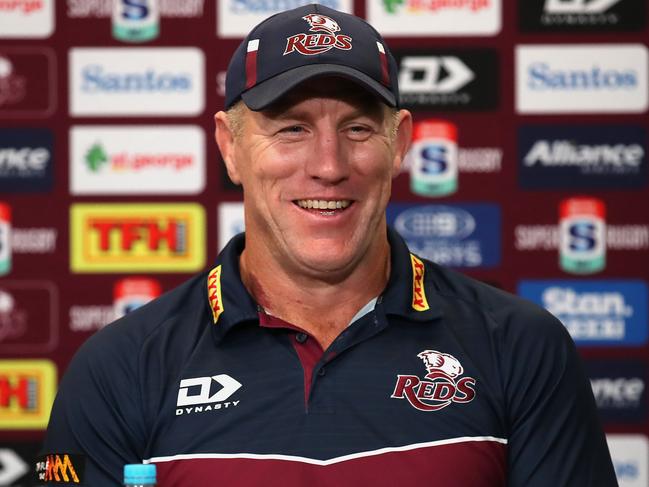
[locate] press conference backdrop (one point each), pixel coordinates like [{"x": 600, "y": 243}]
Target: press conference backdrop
[{"x": 529, "y": 171}]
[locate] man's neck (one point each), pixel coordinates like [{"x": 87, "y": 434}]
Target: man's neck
[{"x": 321, "y": 305}]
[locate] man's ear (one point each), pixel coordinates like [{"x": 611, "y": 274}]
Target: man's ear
[
  {"x": 402, "y": 140},
  {"x": 225, "y": 139}
]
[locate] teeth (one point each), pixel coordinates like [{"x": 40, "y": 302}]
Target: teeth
[{"x": 323, "y": 204}]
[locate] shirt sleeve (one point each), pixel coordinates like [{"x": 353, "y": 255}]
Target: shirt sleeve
[
  {"x": 96, "y": 418},
  {"x": 555, "y": 436}
]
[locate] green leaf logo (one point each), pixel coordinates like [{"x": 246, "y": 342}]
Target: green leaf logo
[
  {"x": 391, "y": 5},
  {"x": 96, "y": 157}
]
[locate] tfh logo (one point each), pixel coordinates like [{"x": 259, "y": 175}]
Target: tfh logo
[
  {"x": 441, "y": 385},
  {"x": 326, "y": 39},
  {"x": 151, "y": 232}
]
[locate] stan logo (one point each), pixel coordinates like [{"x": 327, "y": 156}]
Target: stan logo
[
  {"x": 326, "y": 39},
  {"x": 441, "y": 385}
]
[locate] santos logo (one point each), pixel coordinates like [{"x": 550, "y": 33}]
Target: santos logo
[
  {"x": 196, "y": 396},
  {"x": 630, "y": 455},
  {"x": 581, "y": 78},
  {"x": 136, "y": 81}
]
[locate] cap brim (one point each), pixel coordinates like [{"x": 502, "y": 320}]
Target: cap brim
[{"x": 264, "y": 94}]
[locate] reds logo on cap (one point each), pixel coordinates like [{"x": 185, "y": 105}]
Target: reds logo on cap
[
  {"x": 440, "y": 387},
  {"x": 326, "y": 39}
]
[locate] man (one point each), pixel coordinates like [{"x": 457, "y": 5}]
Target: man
[{"x": 319, "y": 350}]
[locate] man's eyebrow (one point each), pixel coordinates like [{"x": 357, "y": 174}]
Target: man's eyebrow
[{"x": 288, "y": 112}]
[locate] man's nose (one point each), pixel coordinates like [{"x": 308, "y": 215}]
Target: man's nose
[{"x": 329, "y": 162}]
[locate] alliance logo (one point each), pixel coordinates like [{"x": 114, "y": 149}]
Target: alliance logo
[
  {"x": 619, "y": 388},
  {"x": 325, "y": 40},
  {"x": 588, "y": 156},
  {"x": 26, "y": 159},
  {"x": 441, "y": 386}
]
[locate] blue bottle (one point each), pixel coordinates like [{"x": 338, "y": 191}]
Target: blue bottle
[{"x": 139, "y": 475}]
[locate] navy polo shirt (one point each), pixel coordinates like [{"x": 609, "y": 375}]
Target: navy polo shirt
[{"x": 446, "y": 381}]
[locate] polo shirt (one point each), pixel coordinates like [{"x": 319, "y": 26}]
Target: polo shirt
[{"x": 444, "y": 381}]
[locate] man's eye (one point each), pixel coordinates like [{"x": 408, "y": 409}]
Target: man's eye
[
  {"x": 293, "y": 129},
  {"x": 359, "y": 131}
]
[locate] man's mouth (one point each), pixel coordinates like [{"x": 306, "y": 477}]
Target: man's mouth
[
  {"x": 323, "y": 204},
  {"x": 324, "y": 207}
]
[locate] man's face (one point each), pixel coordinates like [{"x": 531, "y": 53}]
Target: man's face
[{"x": 317, "y": 173}]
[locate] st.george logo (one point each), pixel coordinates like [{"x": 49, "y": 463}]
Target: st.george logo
[
  {"x": 441, "y": 386},
  {"x": 324, "y": 39}
]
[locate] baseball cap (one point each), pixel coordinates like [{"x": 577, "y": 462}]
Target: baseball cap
[{"x": 291, "y": 47}]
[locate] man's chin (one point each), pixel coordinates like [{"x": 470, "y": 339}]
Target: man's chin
[{"x": 319, "y": 262}]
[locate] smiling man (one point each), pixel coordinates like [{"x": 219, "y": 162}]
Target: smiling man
[{"x": 318, "y": 350}]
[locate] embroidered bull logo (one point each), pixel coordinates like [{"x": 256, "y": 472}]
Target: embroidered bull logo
[
  {"x": 441, "y": 386},
  {"x": 321, "y": 23},
  {"x": 324, "y": 39}
]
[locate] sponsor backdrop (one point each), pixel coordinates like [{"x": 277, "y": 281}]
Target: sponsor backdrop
[{"x": 529, "y": 171}]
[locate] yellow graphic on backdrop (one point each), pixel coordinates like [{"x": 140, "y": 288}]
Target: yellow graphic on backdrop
[
  {"x": 27, "y": 389},
  {"x": 164, "y": 237}
]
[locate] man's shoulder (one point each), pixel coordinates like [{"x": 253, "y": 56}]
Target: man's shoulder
[
  {"x": 504, "y": 310},
  {"x": 171, "y": 315}
]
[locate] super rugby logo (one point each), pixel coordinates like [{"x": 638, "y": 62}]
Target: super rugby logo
[
  {"x": 441, "y": 386},
  {"x": 325, "y": 39}
]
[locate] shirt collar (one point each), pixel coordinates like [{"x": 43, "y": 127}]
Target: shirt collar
[
  {"x": 410, "y": 289},
  {"x": 409, "y": 292}
]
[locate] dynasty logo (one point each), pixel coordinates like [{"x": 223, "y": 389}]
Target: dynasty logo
[
  {"x": 440, "y": 387},
  {"x": 324, "y": 39}
]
